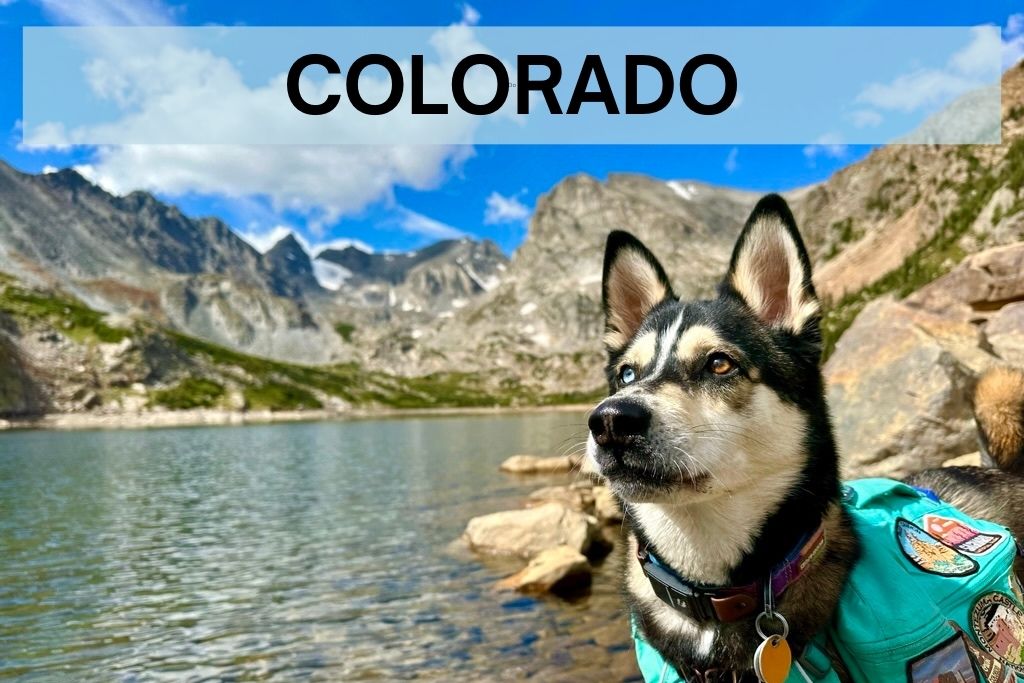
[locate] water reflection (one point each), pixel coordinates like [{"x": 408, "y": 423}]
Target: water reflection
[{"x": 283, "y": 552}]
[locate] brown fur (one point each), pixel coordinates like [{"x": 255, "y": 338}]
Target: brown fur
[{"x": 999, "y": 412}]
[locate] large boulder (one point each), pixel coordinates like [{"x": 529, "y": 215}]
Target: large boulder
[
  {"x": 982, "y": 283},
  {"x": 901, "y": 379},
  {"x": 1005, "y": 332},
  {"x": 899, "y": 389},
  {"x": 537, "y": 464},
  {"x": 561, "y": 569},
  {"x": 528, "y": 532}
]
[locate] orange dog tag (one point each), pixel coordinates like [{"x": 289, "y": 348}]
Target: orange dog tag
[{"x": 773, "y": 660}]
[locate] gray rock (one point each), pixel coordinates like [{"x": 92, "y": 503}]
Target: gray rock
[
  {"x": 1005, "y": 332},
  {"x": 981, "y": 283},
  {"x": 527, "y": 532},
  {"x": 899, "y": 390}
]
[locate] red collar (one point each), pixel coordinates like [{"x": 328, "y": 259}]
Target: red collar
[{"x": 729, "y": 603}]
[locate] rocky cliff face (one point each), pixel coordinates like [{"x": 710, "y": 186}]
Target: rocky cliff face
[
  {"x": 137, "y": 256},
  {"x": 543, "y": 321},
  {"x": 444, "y": 276}
]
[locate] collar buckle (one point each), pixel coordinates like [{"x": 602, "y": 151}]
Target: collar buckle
[{"x": 675, "y": 592}]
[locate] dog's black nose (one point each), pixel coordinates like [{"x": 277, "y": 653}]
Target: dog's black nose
[{"x": 615, "y": 422}]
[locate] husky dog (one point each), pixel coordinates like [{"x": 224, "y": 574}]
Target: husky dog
[{"x": 716, "y": 439}]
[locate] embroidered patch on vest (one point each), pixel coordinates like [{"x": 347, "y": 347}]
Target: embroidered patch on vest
[
  {"x": 950, "y": 661},
  {"x": 931, "y": 554},
  {"x": 959, "y": 535},
  {"x": 998, "y": 624},
  {"x": 994, "y": 670}
]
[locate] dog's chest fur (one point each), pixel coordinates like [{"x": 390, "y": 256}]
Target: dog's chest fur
[{"x": 692, "y": 646}]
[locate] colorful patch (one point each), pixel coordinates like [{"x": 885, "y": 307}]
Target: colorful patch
[
  {"x": 998, "y": 624},
  {"x": 931, "y": 554},
  {"x": 961, "y": 536},
  {"x": 994, "y": 670},
  {"x": 950, "y": 662}
]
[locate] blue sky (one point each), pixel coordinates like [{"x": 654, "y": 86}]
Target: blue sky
[{"x": 484, "y": 191}]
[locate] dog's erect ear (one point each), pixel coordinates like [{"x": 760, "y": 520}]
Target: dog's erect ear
[
  {"x": 770, "y": 269},
  {"x": 633, "y": 283}
]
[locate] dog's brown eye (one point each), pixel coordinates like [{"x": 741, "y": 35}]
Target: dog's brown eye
[{"x": 720, "y": 364}]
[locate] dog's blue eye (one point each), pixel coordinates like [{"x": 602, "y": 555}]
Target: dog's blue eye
[{"x": 627, "y": 374}]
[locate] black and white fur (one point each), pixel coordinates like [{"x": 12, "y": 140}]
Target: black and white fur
[{"x": 717, "y": 440}]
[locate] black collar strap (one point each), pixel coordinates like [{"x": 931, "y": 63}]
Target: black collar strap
[{"x": 728, "y": 603}]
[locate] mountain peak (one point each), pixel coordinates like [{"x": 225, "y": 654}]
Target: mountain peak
[
  {"x": 290, "y": 266},
  {"x": 288, "y": 244}
]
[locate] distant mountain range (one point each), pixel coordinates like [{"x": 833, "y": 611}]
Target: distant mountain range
[
  {"x": 460, "y": 308},
  {"x": 137, "y": 256}
]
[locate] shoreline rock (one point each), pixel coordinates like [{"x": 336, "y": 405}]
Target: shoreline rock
[
  {"x": 585, "y": 514},
  {"x": 559, "y": 570},
  {"x": 577, "y": 496},
  {"x": 525, "y": 533},
  {"x": 538, "y": 464}
]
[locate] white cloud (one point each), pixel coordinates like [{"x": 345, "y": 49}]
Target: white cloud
[
  {"x": 107, "y": 12},
  {"x": 828, "y": 145},
  {"x": 1013, "y": 40},
  {"x": 967, "y": 69},
  {"x": 502, "y": 209},
  {"x": 160, "y": 91},
  {"x": 731, "y": 161},
  {"x": 921, "y": 88},
  {"x": 866, "y": 118},
  {"x": 321, "y": 183},
  {"x": 418, "y": 224},
  {"x": 470, "y": 15}
]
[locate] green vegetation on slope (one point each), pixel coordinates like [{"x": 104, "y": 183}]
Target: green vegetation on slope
[
  {"x": 73, "y": 318},
  {"x": 345, "y": 331},
  {"x": 269, "y": 384},
  {"x": 279, "y": 396},
  {"x": 191, "y": 392},
  {"x": 359, "y": 386},
  {"x": 941, "y": 253},
  {"x": 846, "y": 233}
]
